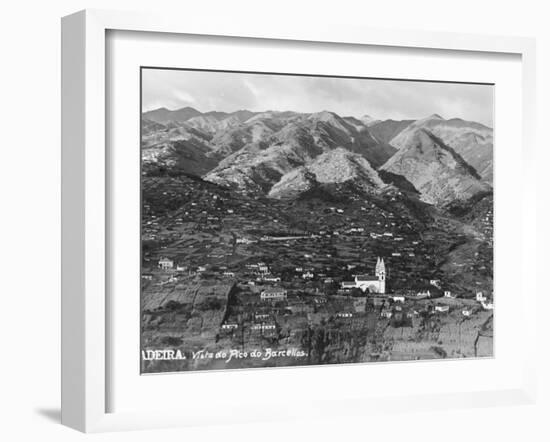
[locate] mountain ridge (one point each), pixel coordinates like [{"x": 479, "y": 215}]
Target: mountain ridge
[
  {"x": 258, "y": 151},
  {"x": 436, "y": 170},
  {"x": 472, "y": 140}
]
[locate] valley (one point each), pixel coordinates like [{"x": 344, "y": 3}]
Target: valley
[{"x": 254, "y": 224}]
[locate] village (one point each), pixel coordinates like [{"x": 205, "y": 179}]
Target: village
[{"x": 359, "y": 269}]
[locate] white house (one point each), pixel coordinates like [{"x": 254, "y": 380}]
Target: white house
[
  {"x": 166, "y": 263},
  {"x": 442, "y": 308},
  {"x": 263, "y": 327},
  {"x": 275, "y": 293},
  {"x": 229, "y": 326},
  {"x": 344, "y": 314},
  {"x": 272, "y": 279},
  {"x": 480, "y": 297},
  {"x": 447, "y": 294}
]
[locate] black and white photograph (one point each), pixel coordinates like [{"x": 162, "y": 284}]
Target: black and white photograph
[
  {"x": 304, "y": 221},
  {"x": 297, "y": 220}
]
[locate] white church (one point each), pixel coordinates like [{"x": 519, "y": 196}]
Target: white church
[{"x": 374, "y": 284}]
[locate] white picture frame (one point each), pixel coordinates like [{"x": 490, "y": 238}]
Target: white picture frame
[{"x": 85, "y": 199}]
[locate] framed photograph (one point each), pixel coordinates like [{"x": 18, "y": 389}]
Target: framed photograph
[{"x": 264, "y": 222}]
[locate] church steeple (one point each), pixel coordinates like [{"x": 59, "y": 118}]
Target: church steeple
[
  {"x": 381, "y": 274},
  {"x": 380, "y": 267}
]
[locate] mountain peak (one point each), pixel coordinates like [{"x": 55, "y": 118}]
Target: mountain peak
[
  {"x": 164, "y": 115},
  {"x": 324, "y": 116},
  {"x": 472, "y": 141},
  {"x": 368, "y": 120},
  {"x": 333, "y": 167},
  {"x": 435, "y": 169},
  {"x": 331, "y": 119},
  {"x": 435, "y": 117}
]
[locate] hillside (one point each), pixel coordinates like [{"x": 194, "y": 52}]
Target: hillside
[
  {"x": 439, "y": 173},
  {"x": 386, "y": 130},
  {"x": 472, "y": 141},
  {"x": 336, "y": 166}
]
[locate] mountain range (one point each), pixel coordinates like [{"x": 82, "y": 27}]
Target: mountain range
[{"x": 284, "y": 154}]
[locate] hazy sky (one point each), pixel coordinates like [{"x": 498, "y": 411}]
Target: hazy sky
[{"x": 381, "y": 99}]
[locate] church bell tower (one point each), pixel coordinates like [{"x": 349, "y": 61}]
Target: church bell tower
[{"x": 380, "y": 272}]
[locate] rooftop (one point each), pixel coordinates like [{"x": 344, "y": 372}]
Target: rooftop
[
  {"x": 366, "y": 278},
  {"x": 274, "y": 290}
]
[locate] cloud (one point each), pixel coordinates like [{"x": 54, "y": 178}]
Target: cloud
[{"x": 380, "y": 99}]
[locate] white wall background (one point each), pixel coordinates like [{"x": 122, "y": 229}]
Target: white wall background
[{"x": 30, "y": 220}]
